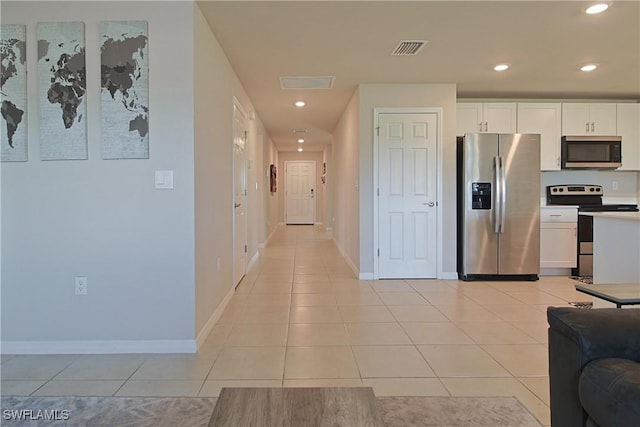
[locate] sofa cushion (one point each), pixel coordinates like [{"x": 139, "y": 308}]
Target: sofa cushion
[{"x": 610, "y": 391}]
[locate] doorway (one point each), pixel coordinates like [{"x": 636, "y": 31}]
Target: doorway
[
  {"x": 240, "y": 136},
  {"x": 300, "y": 192},
  {"x": 407, "y": 213}
]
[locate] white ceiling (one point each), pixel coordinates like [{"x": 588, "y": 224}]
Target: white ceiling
[{"x": 545, "y": 42}]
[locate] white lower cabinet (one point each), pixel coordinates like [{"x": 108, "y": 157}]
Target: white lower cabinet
[{"x": 558, "y": 237}]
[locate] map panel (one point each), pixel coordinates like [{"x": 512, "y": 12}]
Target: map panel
[
  {"x": 124, "y": 90},
  {"x": 62, "y": 87},
  {"x": 13, "y": 93}
]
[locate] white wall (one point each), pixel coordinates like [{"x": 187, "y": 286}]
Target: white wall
[
  {"x": 328, "y": 188},
  {"x": 103, "y": 218},
  {"x": 344, "y": 175},
  {"x": 408, "y": 95},
  {"x": 271, "y": 199},
  {"x": 217, "y": 86}
]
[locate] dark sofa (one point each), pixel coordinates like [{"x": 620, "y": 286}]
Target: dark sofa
[{"x": 594, "y": 367}]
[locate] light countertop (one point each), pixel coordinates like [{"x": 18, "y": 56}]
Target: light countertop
[{"x": 628, "y": 216}]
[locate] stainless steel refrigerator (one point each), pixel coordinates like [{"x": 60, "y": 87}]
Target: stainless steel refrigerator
[{"x": 498, "y": 206}]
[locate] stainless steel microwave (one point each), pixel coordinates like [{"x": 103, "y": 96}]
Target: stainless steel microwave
[{"x": 591, "y": 152}]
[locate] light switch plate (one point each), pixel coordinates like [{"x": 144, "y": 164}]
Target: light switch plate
[{"x": 164, "y": 180}]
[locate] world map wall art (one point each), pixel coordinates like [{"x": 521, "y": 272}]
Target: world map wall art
[
  {"x": 62, "y": 87},
  {"x": 13, "y": 93},
  {"x": 124, "y": 90},
  {"x": 62, "y": 90}
]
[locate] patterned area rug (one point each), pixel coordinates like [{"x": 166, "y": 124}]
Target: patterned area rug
[
  {"x": 106, "y": 411},
  {"x": 587, "y": 280},
  {"x": 455, "y": 412},
  {"x": 196, "y": 412}
]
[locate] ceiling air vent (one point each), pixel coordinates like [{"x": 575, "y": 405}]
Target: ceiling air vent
[
  {"x": 408, "y": 47},
  {"x": 306, "y": 82}
]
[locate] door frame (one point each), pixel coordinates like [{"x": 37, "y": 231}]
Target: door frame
[
  {"x": 438, "y": 111},
  {"x": 237, "y": 105},
  {"x": 315, "y": 187}
]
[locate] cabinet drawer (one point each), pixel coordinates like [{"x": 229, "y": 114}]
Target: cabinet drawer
[{"x": 558, "y": 215}]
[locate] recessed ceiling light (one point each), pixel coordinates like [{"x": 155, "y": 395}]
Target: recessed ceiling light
[
  {"x": 589, "y": 67},
  {"x": 300, "y": 140},
  {"x": 597, "y": 8},
  {"x": 300, "y": 149},
  {"x": 300, "y": 104},
  {"x": 501, "y": 67}
]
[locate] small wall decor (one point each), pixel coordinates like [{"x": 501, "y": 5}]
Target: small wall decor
[
  {"x": 13, "y": 93},
  {"x": 273, "y": 179},
  {"x": 62, "y": 86}
]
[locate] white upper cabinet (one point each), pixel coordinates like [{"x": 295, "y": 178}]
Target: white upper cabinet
[
  {"x": 629, "y": 130},
  {"x": 589, "y": 119},
  {"x": 493, "y": 117},
  {"x": 545, "y": 119}
]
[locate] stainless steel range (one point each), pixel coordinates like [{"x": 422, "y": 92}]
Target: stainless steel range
[{"x": 588, "y": 198}]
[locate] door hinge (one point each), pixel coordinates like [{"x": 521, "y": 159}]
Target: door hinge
[
  {"x": 378, "y": 192},
  {"x": 246, "y": 135},
  {"x": 245, "y": 249},
  {"x": 378, "y": 251},
  {"x": 378, "y": 130}
]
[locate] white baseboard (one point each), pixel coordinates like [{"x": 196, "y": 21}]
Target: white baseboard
[
  {"x": 555, "y": 272},
  {"x": 365, "y": 276},
  {"x": 346, "y": 258},
  {"x": 253, "y": 261},
  {"x": 208, "y": 326},
  {"x": 99, "y": 347},
  {"x": 448, "y": 275}
]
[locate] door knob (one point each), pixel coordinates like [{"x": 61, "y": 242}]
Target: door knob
[
  {"x": 430, "y": 204},
  {"x": 237, "y": 205}
]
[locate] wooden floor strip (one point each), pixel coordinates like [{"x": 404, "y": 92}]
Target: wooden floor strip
[{"x": 299, "y": 407}]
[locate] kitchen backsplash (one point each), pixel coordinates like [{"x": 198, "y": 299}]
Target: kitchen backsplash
[{"x": 627, "y": 183}]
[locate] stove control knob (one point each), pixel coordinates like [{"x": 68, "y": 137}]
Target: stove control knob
[{"x": 592, "y": 189}]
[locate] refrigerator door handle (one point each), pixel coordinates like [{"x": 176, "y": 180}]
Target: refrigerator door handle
[
  {"x": 495, "y": 211},
  {"x": 503, "y": 195}
]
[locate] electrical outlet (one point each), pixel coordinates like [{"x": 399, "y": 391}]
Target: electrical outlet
[
  {"x": 614, "y": 185},
  {"x": 81, "y": 285}
]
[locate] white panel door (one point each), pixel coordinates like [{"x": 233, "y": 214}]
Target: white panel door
[
  {"x": 240, "y": 130},
  {"x": 300, "y": 192},
  {"x": 407, "y": 213}
]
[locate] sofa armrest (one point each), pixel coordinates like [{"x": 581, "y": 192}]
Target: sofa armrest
[
  {"x": 576, "y": 337},
  {"x": 599, "y": 333}
]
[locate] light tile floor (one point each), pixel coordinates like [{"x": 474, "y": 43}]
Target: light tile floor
[{"x": 301, "y": 318}]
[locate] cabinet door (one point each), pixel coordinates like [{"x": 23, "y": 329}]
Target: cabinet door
[
  {"x": 545, "y": 119},
  {"x": 603, "y": 119},
  {"x": 558, "y": 245},
  {"x": 499, "y": 117},
  {"x": 575, "y": 119},
  {"x": 469, "y": 118},
  {"x": 628, "y": 126}
]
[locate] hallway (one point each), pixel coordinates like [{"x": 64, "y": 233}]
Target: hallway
[{"x": 301, "y": 318}]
